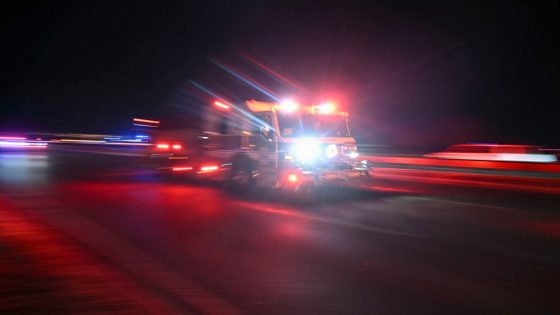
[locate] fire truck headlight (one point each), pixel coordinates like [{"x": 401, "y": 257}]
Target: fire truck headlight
[
  {"x": 306, "y": 151},
  {"x": 331, "y": 151}
]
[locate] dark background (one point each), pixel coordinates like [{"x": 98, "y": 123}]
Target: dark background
[{"x": 411, "y": 73}]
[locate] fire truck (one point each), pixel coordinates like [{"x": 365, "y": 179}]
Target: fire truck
[{"x": 281, "y": 145}]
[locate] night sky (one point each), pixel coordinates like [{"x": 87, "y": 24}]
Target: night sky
[{"x": 411, "y": 74}]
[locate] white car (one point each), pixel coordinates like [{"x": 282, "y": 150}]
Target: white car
[{"x": 495, "y": 152}]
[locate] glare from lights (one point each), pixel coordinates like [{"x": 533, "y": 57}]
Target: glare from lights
[
  {"x": 184, "y": 168},
  {"x": 289, "y": 106},
  {"x": 332, "y": 151},
  {"x": 144, "y": 125},
  {"x": 147, "y": 121},
  {"x": 221, "y": 105},
  {"x": 306, "y": 150},
  {"x": 209, "y": 168},
  {"x": 326, "y": 108},
  {"x": 353, "y": 155},
  {"x": 11, "y": 138},
  {"x": 22, "y": 144},
  {"x": 292, "y": 178},
  {"x": 163, "y": 146},
  {"x": 83, "y": 141},
  {"x": 177, "y": 146}
]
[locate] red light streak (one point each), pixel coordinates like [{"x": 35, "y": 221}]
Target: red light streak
[
  {"x": 176, "y": 146},
  {"x": 178, "y": 169},
  {"x": 292, "y": 178},
  {"x": 209, "y": 168},
  {"x": 501, "y": 165},
  {"x": 11, "y": 138},
  {"x": 221, "y": 105},
  {"x": 163, "y": 146},
  {"x": 504, "y": 182},
  {"x": 148, "y": 121}
]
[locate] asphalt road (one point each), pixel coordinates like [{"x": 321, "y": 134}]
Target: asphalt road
[{"x": 401, "y": 247}]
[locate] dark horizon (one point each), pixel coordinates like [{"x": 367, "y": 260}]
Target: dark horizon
[{"x": 411, "y": 74}]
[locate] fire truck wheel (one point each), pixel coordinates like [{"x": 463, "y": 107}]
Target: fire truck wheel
[
  {"x": 242, "y": 177},
  {"x": 305, "y": 195}
]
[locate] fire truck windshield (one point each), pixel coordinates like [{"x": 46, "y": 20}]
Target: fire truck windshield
[{"x": 293, "y": 125}]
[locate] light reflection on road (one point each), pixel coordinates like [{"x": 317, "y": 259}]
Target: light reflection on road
[{"x": 24, "y": 167}]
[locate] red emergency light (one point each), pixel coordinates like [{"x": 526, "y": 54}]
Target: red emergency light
[
  {"x": 293, "y": 178},
  {"x": 12, "y": 138},
  {"x": 221, "y": 105},
  {"x": 289, "y": 105},
  {"x": 326, "y": 108},
  {"x": 167, "y": 146},
  {"x": 182, "y": 168},
  {"x": 147, "y": 121},
  {"x": 208, "y": 168}
]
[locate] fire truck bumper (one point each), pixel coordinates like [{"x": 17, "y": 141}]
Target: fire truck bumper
[{"x": 347, "y": 178}]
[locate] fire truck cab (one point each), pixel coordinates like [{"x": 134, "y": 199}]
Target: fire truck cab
[{"x": 280, "y": 145}]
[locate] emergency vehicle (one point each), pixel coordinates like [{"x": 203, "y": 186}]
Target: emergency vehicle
[{"x": 280, "y": 145}]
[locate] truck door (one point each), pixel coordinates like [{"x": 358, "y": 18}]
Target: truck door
[{"x": 263, "y": 139}]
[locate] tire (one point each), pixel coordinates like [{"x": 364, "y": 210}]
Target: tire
[
  {"x": 241, "y": 176},
  {"x": 305, "y": 195}
]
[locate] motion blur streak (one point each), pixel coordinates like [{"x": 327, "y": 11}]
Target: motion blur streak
[
  {"x": 82, "y": 141},
  {"x": 521, "y": 166},
  {"x": 209, "y": 168},
  {"x": 26, "y": 168},
  {"x": 248, "y": 81},
  {"x": 348, "y": 252},
  {"x": 256, "y": 121},
  {"x": 22, "y": 144},
  {"x": 544, "y": 228},
  {"x": 273, "y": 73},
  {"x": 11, "y": 138},
  {"x": 127, "y": 143},
  {"x": 149, "y": 121},
  {"x": 186, "y": 168},
  {"x": 144, "y": 125},
  {"x": 292, "y": 212},
  {"x": 100, "y": 142},
  {"x": 221, "y": 105},
  {"x": 69, "y": 268},
  {"x": 519, "y": 183}
]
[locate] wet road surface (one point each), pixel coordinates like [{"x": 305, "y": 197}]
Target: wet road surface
[{"x": 403, "y": 248}]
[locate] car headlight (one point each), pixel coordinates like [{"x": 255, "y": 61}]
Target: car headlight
[{"x": 306, "y": 150}]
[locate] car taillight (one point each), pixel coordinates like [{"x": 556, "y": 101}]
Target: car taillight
[
  {"x": 177, "y": 147},
  {"x": 162, "y": 146}
]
